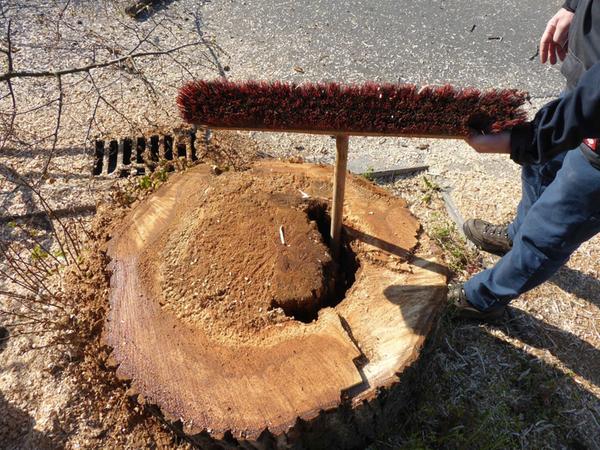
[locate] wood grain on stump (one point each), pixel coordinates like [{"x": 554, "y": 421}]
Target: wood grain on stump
[{"x": 229, "y": 314}]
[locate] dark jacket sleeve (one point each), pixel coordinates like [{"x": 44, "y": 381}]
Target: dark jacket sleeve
[
  {"x": 561, "y": 124},
  {"x": 570, "y": 5}
]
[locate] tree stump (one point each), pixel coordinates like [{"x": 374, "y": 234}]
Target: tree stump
[{"x": 229, "y": 313}]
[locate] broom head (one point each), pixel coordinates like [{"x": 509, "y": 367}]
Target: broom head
[{"x": 364, "y": 109}]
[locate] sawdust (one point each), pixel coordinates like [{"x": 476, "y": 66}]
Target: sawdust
[
  {"x": 84, "y": 403},
  {"x": 114, "y": 418},
  {"x": 246, "y": 257}
]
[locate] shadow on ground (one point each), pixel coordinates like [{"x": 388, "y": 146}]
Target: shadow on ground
[
  {"x": 479, "y": 391},
  {"x": 4, "y": 337},
  {"x": 578, "y": 355},
  {"x": 579, "y": 284},
  {"x": 17, "y": 430}
]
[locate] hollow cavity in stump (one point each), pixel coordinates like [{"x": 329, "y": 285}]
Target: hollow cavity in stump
[{"x": 250, "y": 255}]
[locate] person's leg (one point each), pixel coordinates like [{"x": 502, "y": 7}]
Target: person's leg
[
  {"x": 535, "y": 179},
  {"x": 566, "y": 214},
  {"x": 497, "y": 239}
]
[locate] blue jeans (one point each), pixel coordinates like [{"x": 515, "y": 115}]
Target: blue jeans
[{"x": 559, "y": 210}]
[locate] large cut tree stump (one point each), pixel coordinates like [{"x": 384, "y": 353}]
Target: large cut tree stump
[{"x": 229, "y": 314}]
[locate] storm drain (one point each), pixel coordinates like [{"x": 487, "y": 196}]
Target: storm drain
[{"x": 141, "y": 155}]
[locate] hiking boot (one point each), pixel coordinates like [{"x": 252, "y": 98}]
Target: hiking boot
[
  {"x": 457, "y": 297},
  {"x": 487, "y": 236}
]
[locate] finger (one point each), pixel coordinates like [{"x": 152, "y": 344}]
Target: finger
[
  {"x": 561, "y": 34},
  {"x": 479, "y": 142},
  {"x": 472, "y": 137},
  {"x": 545, "y": 42},
  {"x": 552, "y": 53},
  {"x": 491, "y": 143},
  {"x": 544, "y": 50},
  {"x": 560, "y": 51}
]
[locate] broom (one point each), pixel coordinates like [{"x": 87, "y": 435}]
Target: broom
[{"x": 368, "y": 109}]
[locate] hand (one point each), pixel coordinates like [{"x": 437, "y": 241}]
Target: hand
[
  {"x": 490, "y": 143},
  {"x": 555, "y": 38}
]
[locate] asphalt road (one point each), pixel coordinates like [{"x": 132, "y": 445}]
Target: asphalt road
[{"x": 483, "y": 43}]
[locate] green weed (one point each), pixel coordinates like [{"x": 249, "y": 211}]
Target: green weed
[
  {"x": 431, "y": 189},
  {"x": 37, "y": 253},
  {"x": 459, "y": 257},
  {"x": 145, "y": 182},
  {"x": 369, "y": 174}
]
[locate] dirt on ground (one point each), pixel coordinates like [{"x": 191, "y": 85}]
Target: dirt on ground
[
  {"x": 246, "y": 256},
  {"x": 92, "y": 407}
]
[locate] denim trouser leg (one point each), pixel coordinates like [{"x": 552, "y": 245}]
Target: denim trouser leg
[
  {"x": 535, "y": 179},
  {"x": 565, "y": 214}
]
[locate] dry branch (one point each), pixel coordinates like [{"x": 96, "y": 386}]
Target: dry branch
[
  {"x": 125, "y": 58},
  {"x": 11, "y": 74}
]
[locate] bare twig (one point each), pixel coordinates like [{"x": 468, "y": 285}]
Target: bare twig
[
  {"x": 62, "y": 212},
  {"x": 65, "y": 249},
  {"x": 27, "y": 279},
  {"x": 26, "y": 316},
  {"x": 22, "y": 300},
  {"x": 13, "y": 113},
  {"x": 31, "y": 332},
  {"x": 57, "y": 128},
  {"x": 108, "y": 103},
  {"x": 57, "y": 73},
  {"x": 28, "y": 91},
  {"x": 35, "y": 240},
  {"x": 59, "y": 19},
  {"x": 92, "y": 120}
]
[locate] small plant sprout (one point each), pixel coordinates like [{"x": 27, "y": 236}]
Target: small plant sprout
[
  {"x": 431, "y": 188},
  {"x": 369, "y": 174}
]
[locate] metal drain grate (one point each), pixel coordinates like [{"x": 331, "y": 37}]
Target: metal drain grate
[{"x": 141, "y": 155}]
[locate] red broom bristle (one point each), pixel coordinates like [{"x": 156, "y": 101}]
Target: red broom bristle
[{"x": 367, "y": 108}]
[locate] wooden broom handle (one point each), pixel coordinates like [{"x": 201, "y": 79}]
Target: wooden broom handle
[{"x": 339, "y": 184}]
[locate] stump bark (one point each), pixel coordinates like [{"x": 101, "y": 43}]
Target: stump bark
[{"x": 229, "y": 314}]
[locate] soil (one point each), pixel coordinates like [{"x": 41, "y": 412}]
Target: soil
[
  {"x": 87, "y": 405},
  {"x": 226, "y": 270}
]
